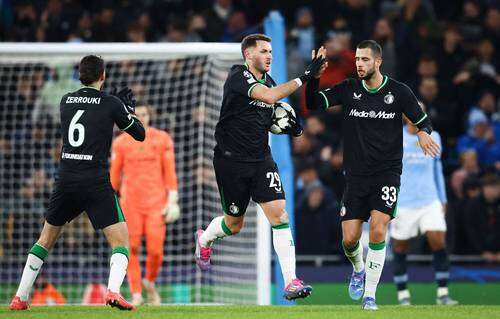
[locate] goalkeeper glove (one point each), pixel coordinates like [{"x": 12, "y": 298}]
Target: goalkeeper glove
[
  {"x": 294, "y": 128},
  {"x": 312, "y": 69},
  {"x": 172, "y": 210},
  {"x": 127, "y": 97}
]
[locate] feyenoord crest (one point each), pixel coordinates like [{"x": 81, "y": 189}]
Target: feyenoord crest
[
  {"x": 249, "y": 77},
  {"x": 234, "y": 209},
  {"x": 342, "y": 211},
  {"x": 389, "y": 98}
]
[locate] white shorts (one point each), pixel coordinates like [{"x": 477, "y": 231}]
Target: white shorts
[{"x": 410, "y": 221}]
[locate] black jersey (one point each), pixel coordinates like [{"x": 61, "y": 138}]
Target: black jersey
[
  {"x": 87, "y": 120},
  {"x": 242, "y": 130},
  {"x": 373, "y": 125}
]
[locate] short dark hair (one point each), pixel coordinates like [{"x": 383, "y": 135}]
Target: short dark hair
[
  {"x": 490, "y": 179},
  {"x": 372, "y": 45},
  {"x": 91, "y": 68},
  {"x": 251, "y": 41}
]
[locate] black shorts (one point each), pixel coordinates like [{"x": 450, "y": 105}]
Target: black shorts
[
  {"x": 362, "y": 194},
  {"x": 240, "y": 181},
  {"x": 98, "y": 200}
]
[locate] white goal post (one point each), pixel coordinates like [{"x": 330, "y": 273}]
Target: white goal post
[{"x": 183, "y": 83}]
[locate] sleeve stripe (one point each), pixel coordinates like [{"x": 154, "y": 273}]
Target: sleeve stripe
[
  {"x": 423, "y": 118},
  {"x": 129, "y": 125},
  {"x": 251, "y": 88},
  {"x": 326, "y": 99}
]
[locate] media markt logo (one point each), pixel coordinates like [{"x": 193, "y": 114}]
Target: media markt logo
[{"x": 372, "y": 114}]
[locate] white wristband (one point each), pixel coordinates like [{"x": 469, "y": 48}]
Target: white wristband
[{"x": 298, "y": 81}]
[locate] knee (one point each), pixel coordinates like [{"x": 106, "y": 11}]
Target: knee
[
  {"x": 350, "y": 241},
  {"x": 135, "y": 249},
  {"x": 399, "y": 248},
  {"x": 279, "y": 217},
  {"x": 155, "y": 254},
  {"x": 437, "y": 245},
  {"x": 378, "y": 232}
]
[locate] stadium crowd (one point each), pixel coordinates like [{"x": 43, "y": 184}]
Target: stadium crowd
[{"x": 447, "y": 51}]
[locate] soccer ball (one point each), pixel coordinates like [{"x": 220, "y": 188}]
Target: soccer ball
[{"x": 281, "y": 115}]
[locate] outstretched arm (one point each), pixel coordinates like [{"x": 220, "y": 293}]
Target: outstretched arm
[{"x": 274, "y": 94}]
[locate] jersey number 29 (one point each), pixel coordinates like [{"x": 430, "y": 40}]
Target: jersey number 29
[{"x": 75, "y": 126}]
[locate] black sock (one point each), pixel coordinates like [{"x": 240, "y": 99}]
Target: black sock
[
  {"x": 400, "y": 274},
  {"x": 441, "y": 267}
]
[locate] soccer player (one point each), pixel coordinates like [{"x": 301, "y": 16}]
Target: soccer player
[
  {"x": 421, "y": 208},
  {"x": 372, "y": 108},
  {"x": 144, "y": 176},
  {"x": 87, "y": 119},
  {"x": 244, "y": 166}
]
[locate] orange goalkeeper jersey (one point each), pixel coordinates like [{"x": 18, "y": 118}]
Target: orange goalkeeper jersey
[{"x": 144, "y": 172}]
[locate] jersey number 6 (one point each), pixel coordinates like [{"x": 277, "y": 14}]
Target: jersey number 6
[{"x": 74, "y": 125}]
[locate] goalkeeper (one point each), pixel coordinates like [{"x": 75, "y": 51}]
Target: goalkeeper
[{"x": 144, "y": 175}]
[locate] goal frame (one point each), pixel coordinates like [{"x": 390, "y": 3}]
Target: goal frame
[{"x": 54, "y": 53}]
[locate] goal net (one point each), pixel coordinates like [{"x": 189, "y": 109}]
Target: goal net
[{"x": 183, "y": 85}]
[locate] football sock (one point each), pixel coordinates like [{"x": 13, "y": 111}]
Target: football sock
[
  {"x": 441, "y": 269},
  {"x": 118, "y": 268},
  {"x": 34, "y": 263},
  {"x": 285, "y": 249},
  {"x": 374, "y": 264},
  {"x": 400, "y": 271},
  {"x": 216, "y": 230},
  {"x": 355, "y": 256}
]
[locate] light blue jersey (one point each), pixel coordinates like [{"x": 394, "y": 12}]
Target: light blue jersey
[{"x": 422, "y": 181}]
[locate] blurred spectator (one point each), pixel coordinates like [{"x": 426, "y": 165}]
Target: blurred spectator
[
  {"x": 471, "y": 20},
  {"x": 83, "y": 32},
  {"x": 237, "y": 27},
  {"x": 492, "y": 27},
  {"x": 358, "y": 18},
  {"x": 303, "y": 34},
  {"x": 176, "y": 31},
  {"x": 197, "y": 29},
  {"x": 317, "y": 218},
  {"x": 331, "y": 170},
  {"x": 471, "y": 189},
  {"x": 216, "y": 18},
  {"x": 303, "y": 147},
  {"x": 442, "y": 112},
  {"x": 384, "y": 35},
  {"x": 25, "y": 25},
  {"x": 341, "y": 62},
  {"x": 136, "y": 33},
  {"x": 450, "y": 57},
  {"x": 482, "y": 217},
  {"x": 106, "y": 28},
  {"x": 301, "y": 42},
  {"x": 61, "y": 81},
  {"x": 469, "y": 166},
  {"x": 427, "y": 67},
  {"x": 55, "y": 23}
]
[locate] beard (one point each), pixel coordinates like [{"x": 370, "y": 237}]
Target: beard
[{"x": 368, "y": 75}]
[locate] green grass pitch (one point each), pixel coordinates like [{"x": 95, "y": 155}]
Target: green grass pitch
[{"x": 264, "y": 312}]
